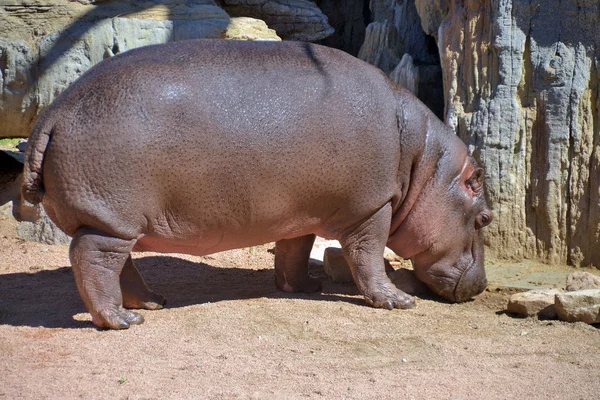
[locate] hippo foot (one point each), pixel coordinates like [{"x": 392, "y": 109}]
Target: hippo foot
[
  {"x": 307, "y": 285},
  {"x": 389, "y": 299},
  {"x": 117, "y": 319},
  {"x": 152, "y": 301}
]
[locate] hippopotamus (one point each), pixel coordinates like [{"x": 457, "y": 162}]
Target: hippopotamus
[{"x": 202, "y": 146}]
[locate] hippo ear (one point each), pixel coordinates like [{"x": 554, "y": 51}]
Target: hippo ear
[{"x": 475, "y": 181}]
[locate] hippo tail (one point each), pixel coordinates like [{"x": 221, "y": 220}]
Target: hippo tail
[{"x": 32, "y": 190}]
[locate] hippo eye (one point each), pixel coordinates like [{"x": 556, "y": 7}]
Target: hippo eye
[{"x": 482, "y": 220}]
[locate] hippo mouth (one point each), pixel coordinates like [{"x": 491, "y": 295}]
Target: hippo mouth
[
  {"x": 471, "y": 283},
  {"x": 460, "y": 281}
]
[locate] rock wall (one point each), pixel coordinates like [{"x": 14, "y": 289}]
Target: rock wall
[
  {"x": 521, "y": 87},
  {"x": 396, "y": 43},
  {"x": 46, "y": 44}
]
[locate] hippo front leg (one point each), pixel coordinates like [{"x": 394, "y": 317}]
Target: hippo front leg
[
  {"x": 363, "y": 248},
  {"x": 97, "y": 261}
]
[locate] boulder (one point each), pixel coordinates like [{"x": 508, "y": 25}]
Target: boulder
[
  {"x": 382, "y": 47},
  {"x": 582, "y": 305},
  {"x": 406, "y": 280},
  {"x": 43, "y": 231},
  {"x": 581, "y": 280},
  {"x": 406, "y": 74},
  {"x": 335, "y": 265},
  {"x": 538, "y": 302},
  {"x": 337, "y": 268},
  {"x": 291, "y": 19},
  {"x": 244, "y": 28}
]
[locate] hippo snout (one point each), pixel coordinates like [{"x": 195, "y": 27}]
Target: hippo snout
[{"x": 471, "y": 283}]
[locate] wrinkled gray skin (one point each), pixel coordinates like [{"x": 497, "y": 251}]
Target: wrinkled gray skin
[{"x": 207, "y": 145}]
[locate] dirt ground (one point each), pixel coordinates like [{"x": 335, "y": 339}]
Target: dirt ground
[{"x": 227, "y": 333}]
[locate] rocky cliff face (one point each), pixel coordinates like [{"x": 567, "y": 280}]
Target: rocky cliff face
[
  {"x": 521, "y": 87},
  {"x": 46, "y": 44}
]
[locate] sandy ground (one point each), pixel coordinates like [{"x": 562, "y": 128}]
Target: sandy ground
[{"x": 227, "y": 333}]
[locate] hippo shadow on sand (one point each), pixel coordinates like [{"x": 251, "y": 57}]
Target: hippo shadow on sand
[{"x": 50, "y": 298}]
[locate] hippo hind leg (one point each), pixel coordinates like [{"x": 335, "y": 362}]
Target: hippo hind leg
[
  {"x": 291, "y": 265},
  {"x": 363, "y": 249},
  {"x": 135, "y": 292},
  {"x": 97, "y": 261}
]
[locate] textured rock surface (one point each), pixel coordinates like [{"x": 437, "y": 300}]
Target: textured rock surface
[
  {"x": 582, "y": 305},
  {"x": 335, "y": 265},
  {"x": 405, "y": 280},
  {"x": 581, "y": 280},
  {"x": 395, "y": 32},
  {"x": 291, "y": 19},
  {"x": 534, "y": 302},
  {"x": 337, "y": 268},
  {"x": 46, "y": 45},
  {"x": 407, "y": 74},
  {"x": 349, "y": 19},
  {"x": 43, "y": 231},
  {"x": 244, "y": 28},
  {"x": 521, "y": 84}
]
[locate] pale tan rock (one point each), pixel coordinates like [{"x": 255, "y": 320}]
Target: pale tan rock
[
  {"x": 291, "y": 19},
  {"x": 317, "y": 252},
  {"x": 335, "y": 265},
  {"x": 244, "y": 28},
  {"x": 581, "y": 280},
  {"x": 389, "y": 255},
  {"x": 538, "y": 302},
  {"x": 579, "y": 306}
]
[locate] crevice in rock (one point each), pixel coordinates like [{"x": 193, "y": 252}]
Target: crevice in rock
[{"x": 396, "y": 31}]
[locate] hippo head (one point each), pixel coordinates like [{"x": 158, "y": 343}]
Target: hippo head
[{"x": 441, "y": 233}]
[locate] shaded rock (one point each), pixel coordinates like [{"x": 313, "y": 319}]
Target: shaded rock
[
  {"x": 581, "y": 280},
  {"x": 43, "y": 230},
  {"x": 407, "y": 74},
  {"x": 432, "y": 13},
  {"x": 407, "y": 281},
  {"x": 337, "y": 268},
  {"x": 382, "y": 47},
  {"x": 11, "y": 168},
  {"x": 335, "y": 265},
  {"x": 349, "y": 19},
  {"x": 534, "y": 302},
  {"x": 22, "y": 145},
  {"x": 395, "y": 32},
  {"x": 317, "y": 252},
  {"x": 582, "y": 305},
  {"x": 291, "y": 19},
  {"x": 18, "y": 104},
  {"x": 244, "y": 28}
]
